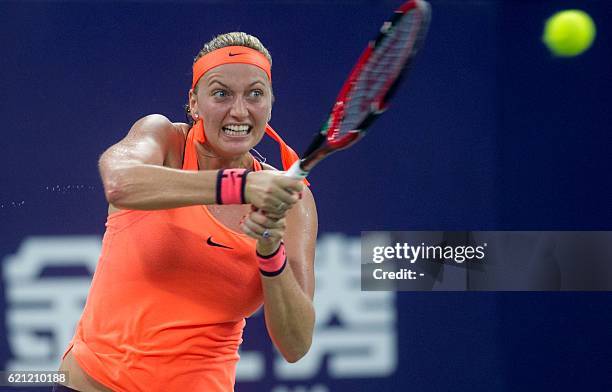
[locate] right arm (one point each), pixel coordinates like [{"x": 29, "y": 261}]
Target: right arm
[{"x": 134, "y": 175}]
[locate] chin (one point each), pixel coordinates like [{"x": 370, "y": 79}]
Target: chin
[
  {"x": 234, "y": 149},
  {"x": 233, "y": 146}
]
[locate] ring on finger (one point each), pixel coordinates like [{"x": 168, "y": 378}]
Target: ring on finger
[{"x": 266, "y": 234}]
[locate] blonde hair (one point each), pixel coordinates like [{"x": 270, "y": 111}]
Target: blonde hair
[{"x": 235, "y": 38}]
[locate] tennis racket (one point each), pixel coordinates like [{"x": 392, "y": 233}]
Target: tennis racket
[{"x": 365, "y": 94}]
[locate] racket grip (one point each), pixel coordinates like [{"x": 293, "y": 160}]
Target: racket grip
[{"x": 296, "y": 172}]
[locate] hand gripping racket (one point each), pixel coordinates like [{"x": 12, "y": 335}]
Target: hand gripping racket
[{"x": 370, "y": 85}]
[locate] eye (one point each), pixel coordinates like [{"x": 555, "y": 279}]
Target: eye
[
  {"x": 256, "y": 93},
  {"x": 220, "y": 93}
]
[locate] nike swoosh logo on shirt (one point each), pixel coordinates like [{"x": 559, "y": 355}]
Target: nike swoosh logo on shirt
[{"x": 210, "y": 242}]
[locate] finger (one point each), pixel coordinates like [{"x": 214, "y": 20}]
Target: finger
[
  {"x": 255, "y": 228},
  {"x": 273, "y": 202},
  {"x": 248, "y": 232},
  {"x": 263, "y": 232},
  {"x": 274, "y": 215},
  {"x": 284, "y": 204},
  {"x": 259, "y": 217},
  {"x": 286, "y": 196},
  {"x": 271, "y": 215},
  {"x": 291, "y": 184},
  {"x": 266, "y": 221},
  {"x": 265, "y": 235},
  {"x": 274, "y": 206},
  {"x": 260, "y": 224}
]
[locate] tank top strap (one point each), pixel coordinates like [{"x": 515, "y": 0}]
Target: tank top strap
[
  {"x": 190, "y": 157},
  {"x": 256, "y": 165}
]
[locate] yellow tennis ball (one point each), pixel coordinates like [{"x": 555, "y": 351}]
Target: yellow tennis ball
[{"x": 569, "y": 33}]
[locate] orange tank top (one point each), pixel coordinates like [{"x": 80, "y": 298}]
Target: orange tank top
[{"x": 168, "y": 300}]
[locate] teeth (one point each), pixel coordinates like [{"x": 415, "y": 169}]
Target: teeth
[{"x": 236, "y": 130}]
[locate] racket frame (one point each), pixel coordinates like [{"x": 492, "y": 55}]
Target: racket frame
[{"x": 327, "y": 140}]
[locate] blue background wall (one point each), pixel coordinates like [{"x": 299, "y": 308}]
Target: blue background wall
[{"x": 489, "y": 132}]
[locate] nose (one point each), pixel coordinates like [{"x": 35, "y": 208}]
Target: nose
[{"x": 239, "y": 108}]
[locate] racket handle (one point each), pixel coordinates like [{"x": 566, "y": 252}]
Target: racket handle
[{"x": 296, "y": 172}]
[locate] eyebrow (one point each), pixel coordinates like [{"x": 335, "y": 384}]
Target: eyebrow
[{"x": 214, "y": 80}]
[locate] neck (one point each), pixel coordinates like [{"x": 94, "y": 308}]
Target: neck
[{"x": 208, "y": 160}]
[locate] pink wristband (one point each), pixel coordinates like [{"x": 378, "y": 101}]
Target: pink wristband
[
  {"x": 273, "y": 264},
  {"x": 230, "y": 186}
]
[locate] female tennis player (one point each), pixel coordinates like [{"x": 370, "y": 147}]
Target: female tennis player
[{"x": 199, "y": 235}]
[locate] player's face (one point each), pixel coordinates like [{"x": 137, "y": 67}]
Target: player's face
[{"x": 235, "y": 101}]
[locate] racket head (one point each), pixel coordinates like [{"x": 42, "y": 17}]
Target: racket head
[{"x": 372, "y": 81}]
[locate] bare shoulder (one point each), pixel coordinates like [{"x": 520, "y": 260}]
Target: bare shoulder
[
  {"x": 170, "y": 136},
  {"x": 159, "y": 124},
  {"x": 182, "y": 129},
  {"x": 154, "y": 122},
  {"x": 153, "y": 139}
]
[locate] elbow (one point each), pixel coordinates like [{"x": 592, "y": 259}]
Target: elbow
[
  {"x": 109, "y": 181},
  {"x": 114, "y": 188},
  {"x": 113, "y": 193},
  {"x": 294, "y": 358},
  {"x": 298, "y": 351},
  {"x": 118, "y": 180},
  {"x": 302, "y": 338}
]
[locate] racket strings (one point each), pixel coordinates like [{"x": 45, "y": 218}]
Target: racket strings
[{"x": 381, "y": 70}]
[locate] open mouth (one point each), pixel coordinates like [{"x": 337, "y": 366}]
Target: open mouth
[{"x": 237, "y": 129}]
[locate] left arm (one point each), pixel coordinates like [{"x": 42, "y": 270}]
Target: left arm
[{"x": 288, "y": 306}]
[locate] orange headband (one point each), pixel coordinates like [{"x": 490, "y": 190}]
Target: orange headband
[{"x": 230, "y": 55}]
